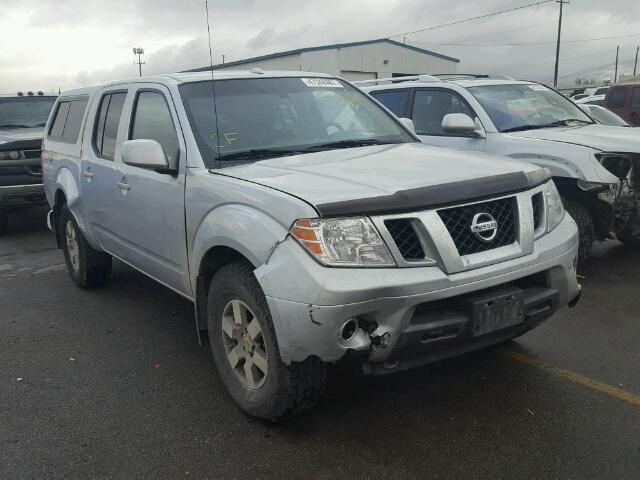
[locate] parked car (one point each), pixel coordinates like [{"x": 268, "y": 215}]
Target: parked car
[
  {"x": 22, "y": 118},
  {"x": 306, "y": 223},
  {"x": 624, "y": 100},
  {"x": 591, "y": 100},
  {"x": 603, "y": 115},
  {"x": 596, "y": 90},
  {"x": 596, "y": 168},
  {"x": 580, "y": 96}
]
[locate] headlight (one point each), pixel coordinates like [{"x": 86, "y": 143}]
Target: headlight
[
  {"x": 13, "y": 155},
  {"x": 593, "y": 186},
  {"x": 346, "y": 242},
  {"x": 553, "y": 202}
]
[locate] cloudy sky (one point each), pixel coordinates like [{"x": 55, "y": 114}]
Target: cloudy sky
[{"x": 68, "y": 43}]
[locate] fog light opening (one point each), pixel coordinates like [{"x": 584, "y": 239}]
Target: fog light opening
[{"x": 349, "y": 329}]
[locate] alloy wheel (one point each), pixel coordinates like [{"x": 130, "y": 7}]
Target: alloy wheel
[{"x": 244, "y": 344}]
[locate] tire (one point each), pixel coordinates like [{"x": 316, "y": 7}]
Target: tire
[
  {"x": 584, "y": 221},
  {"x": 87, "y": 267},
  {"x": 272, "y": 391}
]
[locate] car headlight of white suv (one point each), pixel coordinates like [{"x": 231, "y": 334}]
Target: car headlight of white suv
[
  {"x": 554, "y": 207},
  {"x": 343, "y": 242}
]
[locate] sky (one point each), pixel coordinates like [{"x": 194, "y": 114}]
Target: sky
[{"x": 51, "y": 44}]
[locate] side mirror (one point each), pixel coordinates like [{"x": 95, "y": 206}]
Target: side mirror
[
  {"x": 144, "y": 154},
  {"x": 407, "y": 122},
  {"x": 458, "y": 124}
]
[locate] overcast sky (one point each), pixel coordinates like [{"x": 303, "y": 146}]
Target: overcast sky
[{"x": 70, "y": 43}]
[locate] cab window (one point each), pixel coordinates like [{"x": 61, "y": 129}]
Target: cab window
[
  {"x": 431, "y": 106},
  {"x": 152, "y": 120}
]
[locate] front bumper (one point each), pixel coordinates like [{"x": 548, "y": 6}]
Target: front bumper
[
  {"x": 310, "y": 303},
  {"x": 19, "y": 196}
]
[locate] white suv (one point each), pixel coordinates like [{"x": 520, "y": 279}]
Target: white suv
[{"x": 595, "y": 167}]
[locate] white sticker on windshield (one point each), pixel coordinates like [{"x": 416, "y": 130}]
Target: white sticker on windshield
[
  {"x": 322, "y": 82},
  {"x": 538, "y": 88}
]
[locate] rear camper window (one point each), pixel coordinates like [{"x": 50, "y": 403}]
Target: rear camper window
[{"x": 67, "y": 120}]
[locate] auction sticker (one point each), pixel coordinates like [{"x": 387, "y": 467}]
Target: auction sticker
[
  {"x": 322, "y": 82},
  {"x": 538, "y": 88}
]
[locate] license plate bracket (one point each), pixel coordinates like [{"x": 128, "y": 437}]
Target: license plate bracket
[{"x": 496, "y": 310}]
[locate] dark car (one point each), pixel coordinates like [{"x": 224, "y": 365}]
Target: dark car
[
  {"x": 624, "y": 100},
  {"x": 22, "y": 120}
]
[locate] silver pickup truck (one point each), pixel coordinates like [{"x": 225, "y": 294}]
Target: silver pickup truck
[
  {"x": 22, "y": 118},
  {"x": 307, "y": 225}
]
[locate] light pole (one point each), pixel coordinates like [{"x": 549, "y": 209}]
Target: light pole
[
  {"x": 139, "y": 51},
  {"x": 555, "y": 73},
  {"x": 615, "y": 75}
]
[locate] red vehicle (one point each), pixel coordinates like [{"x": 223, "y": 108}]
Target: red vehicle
[{"x": 624, "y": 100}]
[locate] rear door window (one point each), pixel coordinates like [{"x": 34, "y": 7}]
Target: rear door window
[
  {"x": 431, "y": 106},
  {"x": 108, "y": 121},
  {"x": 397, "y": 101},
  {"x": 617, "y": 97},
  {"x": 152, "y": 121}
]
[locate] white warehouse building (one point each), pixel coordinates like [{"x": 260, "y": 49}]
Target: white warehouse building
[{"x": 371, "y": 59}]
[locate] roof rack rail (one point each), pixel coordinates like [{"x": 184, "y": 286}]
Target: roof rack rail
[
  {"x": 408, "y": 78},
  {"x": 462, "y": 76}
]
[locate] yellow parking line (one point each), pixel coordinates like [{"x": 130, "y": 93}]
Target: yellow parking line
[{"x": 574, "y": 377}]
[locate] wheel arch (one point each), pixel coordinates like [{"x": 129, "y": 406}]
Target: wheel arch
[{"x": 228, "y": 233}]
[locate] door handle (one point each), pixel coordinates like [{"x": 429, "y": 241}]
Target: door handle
[
  {"x": 87, "y": 174},
  {"x": 124, "y": 186}
]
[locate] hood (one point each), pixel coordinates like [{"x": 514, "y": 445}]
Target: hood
[
  {"x": 388, "y": 178},
  {"x": 21, "y": 135},
  {"x": 599, "y": 137}
]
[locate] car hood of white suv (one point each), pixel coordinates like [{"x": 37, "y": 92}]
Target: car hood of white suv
[
  {"x": 599, "y": 137},
  {"x": 389, "y": 178}
]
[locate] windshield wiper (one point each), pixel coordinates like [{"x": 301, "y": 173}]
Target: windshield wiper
[
  {"x": 16, "y": 125},
  {"x": 256, "y": 153},
  {"x": 347, "y": 144},
  {"x": 560, "y": 123}
]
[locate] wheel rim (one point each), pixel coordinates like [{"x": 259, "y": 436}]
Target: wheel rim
[
  {"x": 72, "y": 246},
  {"x": 244, "y": 344}
]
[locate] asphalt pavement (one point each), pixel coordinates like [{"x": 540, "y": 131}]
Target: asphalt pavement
[{"x": 111, "y": 383}]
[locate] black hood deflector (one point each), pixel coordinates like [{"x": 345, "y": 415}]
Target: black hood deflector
[{"x": 424, "y": 198}]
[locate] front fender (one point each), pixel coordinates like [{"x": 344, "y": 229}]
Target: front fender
[{"x": 251, "y": 232}]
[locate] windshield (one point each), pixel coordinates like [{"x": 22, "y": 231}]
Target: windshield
[
  {"x": 24, "y": 112},
  {"x": 269, "y": 117},
  {"x": 526, "y": 106},
  {"x": 605, "y": 116}
]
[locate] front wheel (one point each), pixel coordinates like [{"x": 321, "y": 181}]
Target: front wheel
[
  {"x": 87, "y": 267},
  {"x": 245, "y": 350},
  {"x": 584, "y": 221}
]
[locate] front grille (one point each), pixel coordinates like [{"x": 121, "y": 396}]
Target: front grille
[
  {"x": 19, "y": 170},
  {"x": 406, "y": 238},
  {"x": 458, "y": 221},
  {"x": 537, "y": 202}
]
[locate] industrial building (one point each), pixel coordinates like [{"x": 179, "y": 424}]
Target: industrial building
[{"x": 365, "y": 60}]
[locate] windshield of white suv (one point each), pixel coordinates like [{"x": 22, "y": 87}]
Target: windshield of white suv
[
  {"x": 514, "y": 107},
  {"x": 25, "y": 112},
  {"x": 272, "y": 117}
]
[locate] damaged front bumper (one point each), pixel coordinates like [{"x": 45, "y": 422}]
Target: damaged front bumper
[{"x": 407, "y": 315}]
